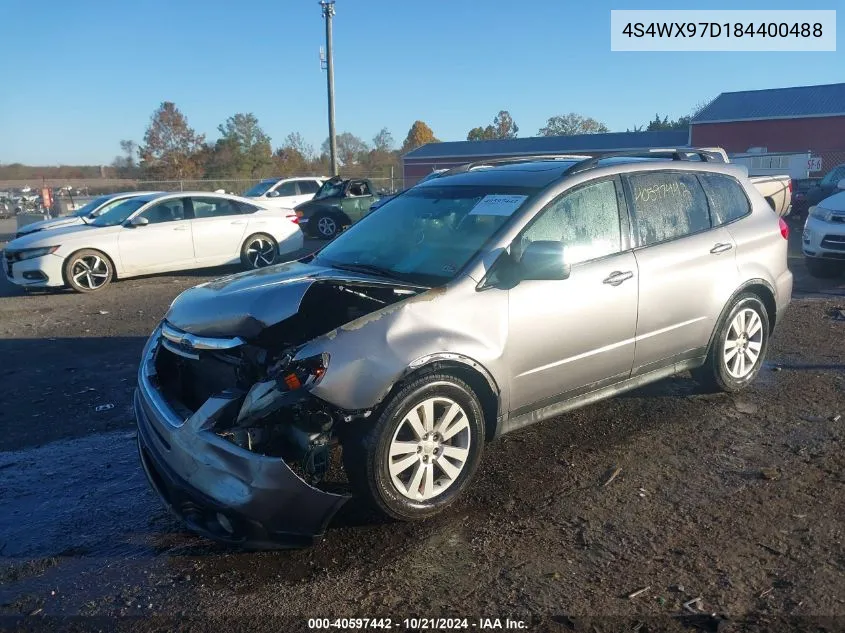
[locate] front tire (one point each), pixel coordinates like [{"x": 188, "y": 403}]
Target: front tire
[
  {"x": 421, "y": 452},
  {"x": 259, "y": 251},
  {"x": 88, "y": 271},
  {"x": 738, "y": 348},
  {"x": 822, "y": 268}
]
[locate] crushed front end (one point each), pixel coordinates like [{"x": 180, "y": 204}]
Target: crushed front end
[{"x": 233, "y": 441}]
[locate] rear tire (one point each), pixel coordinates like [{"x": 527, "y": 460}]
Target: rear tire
[
  {"x": 738, "y": 348},
  {"x": 822, "y": 268},
  {"x": 88, "y": 270},
  {"x": 259, "y": 251},
  {"x": 421, "y": 452},
  {"x": 324, "y": 225}
]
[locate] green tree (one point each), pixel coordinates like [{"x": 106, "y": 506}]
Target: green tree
[
  {"x": 350, "y": 149},
  {"x": 243, "y": 149},
  {"x": 571, "y": 124},
  {"x": 503, "y": 127},
  {"x": 170, "y": 145},
  {"x": 294, "y": 157},
  {"x": 419, "y": 134}
]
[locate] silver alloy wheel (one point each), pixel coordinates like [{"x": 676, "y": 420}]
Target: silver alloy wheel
[
  {"x": 743, "y": 343},
  {"x": 90, "y": 272},
  {"x": 326, "y": 226},
  {"x": 429, "y": 448},
  {"x": 261, "y": 252}
]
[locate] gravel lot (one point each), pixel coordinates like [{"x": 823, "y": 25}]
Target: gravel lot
[{"x": 737, "y": 501}]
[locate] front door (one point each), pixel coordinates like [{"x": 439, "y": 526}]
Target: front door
[
  {"x": 357, "y": 200},
  {"x": 162, "y": 245},
  {"x": 575, "y": 334}
]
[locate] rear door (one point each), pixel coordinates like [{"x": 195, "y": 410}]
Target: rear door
[
  {"x": 306, "y": 190},
  {"x": 218, "y": 227},
  {"x": 687, "y": 266},
  {"x": 162, "y": 245},
  {"x": 575, "y": 334}
]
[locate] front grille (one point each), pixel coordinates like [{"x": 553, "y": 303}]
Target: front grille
[
  {"x": 190, "y": 382},
  {"x": 834, "y": 242}
]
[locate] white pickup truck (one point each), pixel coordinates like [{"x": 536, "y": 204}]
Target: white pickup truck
[{"x": 777, "y": 190}]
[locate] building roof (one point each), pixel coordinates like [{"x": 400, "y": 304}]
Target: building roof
[
  {"x": 775, "y": 103},
  {"x": 581, "y": 143}
]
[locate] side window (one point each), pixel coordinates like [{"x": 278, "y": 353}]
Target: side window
[
  {"x": 167, "y": 211},
  {"x": 668, "y": 205},
  {"x": 287, "y": 189},
  {"x": 586, "y": 220},
  {"x": 245, "y": 208},
  {"x": 359, "y": 188},
  {"x": 308, "y": 186},
  {"x": 214, "y": 207},
  {"x": 727, "y": 200}
]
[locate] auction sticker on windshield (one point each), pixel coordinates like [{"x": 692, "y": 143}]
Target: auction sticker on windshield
[{"x": 497, "y": 205}]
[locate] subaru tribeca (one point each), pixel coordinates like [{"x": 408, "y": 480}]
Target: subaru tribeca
[{"x": 495, "y": 296}]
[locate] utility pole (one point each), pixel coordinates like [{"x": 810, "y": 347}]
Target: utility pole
[{"x": 328, "y": 14}]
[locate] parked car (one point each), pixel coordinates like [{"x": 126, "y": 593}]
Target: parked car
[
  {"x": 284, "y": 193},
  {"x": 152, "y": 233},
  {"x": 338, "y": 203},
  {"x": 470, "y": 306},
  {"x": 777, "y": 191},
  {"x": 823, "y": 240},
  {"x": 825, "y": 187},
  {"x": 83, "y": 215},
  {"x": 380, "y": 202}
]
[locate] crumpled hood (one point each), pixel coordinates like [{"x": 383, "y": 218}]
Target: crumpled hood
[
  {"x": 247, "y": 303},
  {"x": 54, "y": 223}
]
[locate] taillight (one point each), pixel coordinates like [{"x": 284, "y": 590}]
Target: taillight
[
  {"x": 790, "y": 185},
  {"x": 784, "y": 228},
  {"x": 293, "y": 218}
]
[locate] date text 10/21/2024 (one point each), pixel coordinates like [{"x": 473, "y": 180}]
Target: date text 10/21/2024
[{"x": 417, "y": 624}]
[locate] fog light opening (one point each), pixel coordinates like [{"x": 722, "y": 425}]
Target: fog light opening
[{"x": 224, "y": 522}]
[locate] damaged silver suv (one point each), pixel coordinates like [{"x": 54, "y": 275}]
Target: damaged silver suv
[{"x": 490, "y": 298}]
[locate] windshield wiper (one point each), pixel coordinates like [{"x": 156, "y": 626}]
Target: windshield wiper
[{"x": 368, "y": 268}]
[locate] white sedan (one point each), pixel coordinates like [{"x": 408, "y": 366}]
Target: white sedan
[{"x": 153, "y": 233}]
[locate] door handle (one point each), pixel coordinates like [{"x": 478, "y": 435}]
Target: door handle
[
  {"x": 180, "y": 228},
  {"x": 239, "y": 222},
  {"x": 721, "y": 247},
  {"x": 617, "y": 277}
]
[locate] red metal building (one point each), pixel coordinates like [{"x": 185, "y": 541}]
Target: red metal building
[{"x": 799, "y": 119}]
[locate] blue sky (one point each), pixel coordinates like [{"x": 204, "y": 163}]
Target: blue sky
[{"x": 79, "y": 76}]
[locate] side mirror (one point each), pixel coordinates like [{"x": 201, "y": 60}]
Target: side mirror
[
  {"x": 841, "y": 184},
  {"x": 139, "y": 221},
  {"x": 273, "y": 194},
  {"x": 543, "y": 260}
]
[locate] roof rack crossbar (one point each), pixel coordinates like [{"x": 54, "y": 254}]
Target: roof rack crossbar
[
  {"x": 459, "y": 169},
  {"x": 707, "y": 155}
]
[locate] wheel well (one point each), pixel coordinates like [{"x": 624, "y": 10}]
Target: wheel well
[
  {"x": 475, "y": 379},
  {"x": 96, "y": 250},
  {"x": 337, "y": 213},
  {"x": 768, "y": 298},
  {"x": 256, "y": 234}
]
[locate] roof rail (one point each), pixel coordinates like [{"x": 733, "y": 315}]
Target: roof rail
[
  {"x": 706, "y": 154},
  {"x": 459, "y": 169}
]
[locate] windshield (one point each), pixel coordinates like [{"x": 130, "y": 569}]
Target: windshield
[
  {"x": 120, "y": 213},
  {"x": 330, "y": 189},
  {"x": 833, "y": 176},
  {"x": 259, "y": 190},
  {"x": 91, "y": 206},
  {"x": 427, "y": 234}
]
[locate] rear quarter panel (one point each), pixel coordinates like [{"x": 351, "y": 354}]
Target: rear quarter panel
[{"x": 761, "y": 249}]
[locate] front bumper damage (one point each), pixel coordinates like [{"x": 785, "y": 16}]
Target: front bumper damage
[{"x": 204, "y": 466}]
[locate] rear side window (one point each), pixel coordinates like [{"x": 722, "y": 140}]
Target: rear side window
[
  {"x": 728, "y": 201},
  {"x": 286, "y": 189},
  {"x": 667, "y": 205},
  {"x": 308, "y": 186}
]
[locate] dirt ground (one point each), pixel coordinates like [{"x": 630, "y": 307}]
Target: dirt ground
[{"x": 736, "y": 501}]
